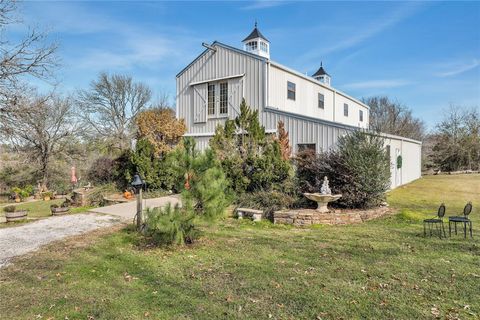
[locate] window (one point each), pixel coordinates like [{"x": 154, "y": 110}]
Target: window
[
  {"x": 360, "y": 115},
  {"x": 263, "y": 46},
  {"x": 345, "y": 110},
  {"x": 211, "y": 99},
  {"x": 290, "y": 90},
  {"x": 321, "y": 101},
  {"x": 251, "y": 46},
  {"x": 306, "y": 146},
  {"x": 223, "y": 98}
]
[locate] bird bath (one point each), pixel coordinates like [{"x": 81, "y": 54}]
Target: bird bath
[
  {"x": 322, "y": 200},
  {"x": 324, "y": 197}
]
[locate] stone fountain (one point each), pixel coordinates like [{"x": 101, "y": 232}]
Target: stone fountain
[{"x": 324, "y": 197}]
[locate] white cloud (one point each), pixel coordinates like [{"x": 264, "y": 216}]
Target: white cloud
[
  {"x": 263, "y": 4},
  {"x": 459, "y": 68},
  {"x": 377, "y": 84}
]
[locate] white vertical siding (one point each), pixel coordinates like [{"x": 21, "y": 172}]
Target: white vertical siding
[
  {"x": 306, "y": 100},
  {"x": 211, "y": 65},
  {"x": 304, "y": 121}
]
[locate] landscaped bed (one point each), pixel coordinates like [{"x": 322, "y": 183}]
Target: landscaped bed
[{"x": 380, "y": 269}]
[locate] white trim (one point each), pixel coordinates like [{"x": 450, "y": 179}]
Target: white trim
[
  {"x": 201, "y": 134},
  {"x": 217, "y": 79},
  {"x": 395, "y": 137},
  {"x": 211, "y": 134}
]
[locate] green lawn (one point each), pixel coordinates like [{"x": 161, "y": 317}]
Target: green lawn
[
  {"x": 383, "y": 269},
  {"x": 38, "y": 209}
]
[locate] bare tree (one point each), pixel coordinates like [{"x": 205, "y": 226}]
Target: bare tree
[
  {"x": 392, "y": 117},
  {"x": 456, "y": 140},
  {"x": 30, "y": 56},
  {"x": 110, "y": 106},
  {"x": 41, "y": 126}
]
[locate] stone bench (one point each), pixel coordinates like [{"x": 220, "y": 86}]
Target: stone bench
[{"x": 255, "y": 215}]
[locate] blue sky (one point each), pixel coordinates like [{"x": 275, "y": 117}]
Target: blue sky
[{"x": 425, "y": 54}]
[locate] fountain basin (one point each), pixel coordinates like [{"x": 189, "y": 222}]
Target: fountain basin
[{"x": 322, "y": 200}]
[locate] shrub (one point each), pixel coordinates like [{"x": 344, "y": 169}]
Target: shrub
[
  {"x": 102, "y": 171},
  {"x": 9, "y": 209},
  {"x": 23, "y": 193},
  {"x": 48, "y": 194},
  {"x": 359, "y": 169},
  {"x": 157, "y": 172},
  {"x": 267, "y": 201},
  {"x": 171, "y": 226},
  {"x": 251, "y": 159}
]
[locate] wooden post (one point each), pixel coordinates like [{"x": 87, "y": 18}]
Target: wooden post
[{"x": 139, "y": 210}]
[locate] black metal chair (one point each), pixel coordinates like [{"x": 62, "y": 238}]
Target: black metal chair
[
  {"x": 437, "y": 222},
  {"x": 462, "y": 219}
]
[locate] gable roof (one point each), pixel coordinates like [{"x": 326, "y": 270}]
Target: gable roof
[
  {"x": 226, "y": 46},
  {"x": 255, "y": 34}
]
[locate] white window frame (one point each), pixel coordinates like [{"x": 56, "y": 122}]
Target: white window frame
[
  {"x": 294, "y": 91},
  {"x": 263, "y": 46},
  {"x": 217, "y": 100},
  {"x": 345, "y": 109},
  {"x": 208, "y": 99},
  {"x": 322, "y": 100},
  {"x": 307, "y": 146},
  {"x": 360, "y": 115},
  {"x": 251, "y": 45},
  {"x": 221, "y": 97}
]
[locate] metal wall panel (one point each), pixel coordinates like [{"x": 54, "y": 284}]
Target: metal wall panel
[{"x": 220, "y": 64}]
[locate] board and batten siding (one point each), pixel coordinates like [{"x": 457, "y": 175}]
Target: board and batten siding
[
  {"x": 325, "y": 135},
  {"x": 306, "y": 100},
  {"x": 245, "y": 77}
]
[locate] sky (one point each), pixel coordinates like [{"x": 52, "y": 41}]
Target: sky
[{"x": 426, "y": 55}]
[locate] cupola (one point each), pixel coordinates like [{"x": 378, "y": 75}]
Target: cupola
[
  {"x": 322, "y": 75},
  {"x": 256, "y": 43}
]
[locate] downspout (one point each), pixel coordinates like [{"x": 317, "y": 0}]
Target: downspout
[{"x": 334, "y": 106}]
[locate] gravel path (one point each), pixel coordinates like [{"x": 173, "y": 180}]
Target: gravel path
[{"x": 16, "y": 241}]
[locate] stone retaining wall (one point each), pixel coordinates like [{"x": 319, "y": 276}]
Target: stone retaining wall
[{"x": 306, "y": 217}]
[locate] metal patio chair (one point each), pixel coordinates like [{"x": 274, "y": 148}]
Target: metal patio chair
[
  {"x": 461, "y": 219},
  {"x": 437, "y": 222}
]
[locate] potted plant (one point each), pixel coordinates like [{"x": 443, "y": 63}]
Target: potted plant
[
  {"x": 21, "y": 194},
  {"x": 11, "y": 213},
  {"x": 60, "y": 210},
  {"x": 47, "y": 195}
]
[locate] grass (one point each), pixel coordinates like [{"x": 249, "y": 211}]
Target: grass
[
  {"x": 38, "y": 209},
  {"x": 382, "y": 269}
]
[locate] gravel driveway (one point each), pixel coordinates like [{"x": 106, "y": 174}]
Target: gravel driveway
[{"x": 16, "y": 241}]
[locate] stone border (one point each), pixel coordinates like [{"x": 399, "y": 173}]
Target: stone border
[{"x": 307, "y": 217}]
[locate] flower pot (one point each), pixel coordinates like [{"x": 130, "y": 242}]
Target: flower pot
[
  {"x": 60, "y": 211},
  {"x": 15, "y": 216}
]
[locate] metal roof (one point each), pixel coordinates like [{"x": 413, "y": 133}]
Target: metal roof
[{"x": 255, "y": 34}]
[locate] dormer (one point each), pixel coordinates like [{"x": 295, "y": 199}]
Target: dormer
[
  {"x": 322, "y": 75},
  {"x": 256, "y": 43}
]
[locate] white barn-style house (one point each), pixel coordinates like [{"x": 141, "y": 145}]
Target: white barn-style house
[{"x": 210, "y": 90}]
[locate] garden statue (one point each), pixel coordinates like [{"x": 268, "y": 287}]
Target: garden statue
[
  {"x": 324, "y": 197},
  {"x": 325, "y": 189}
]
